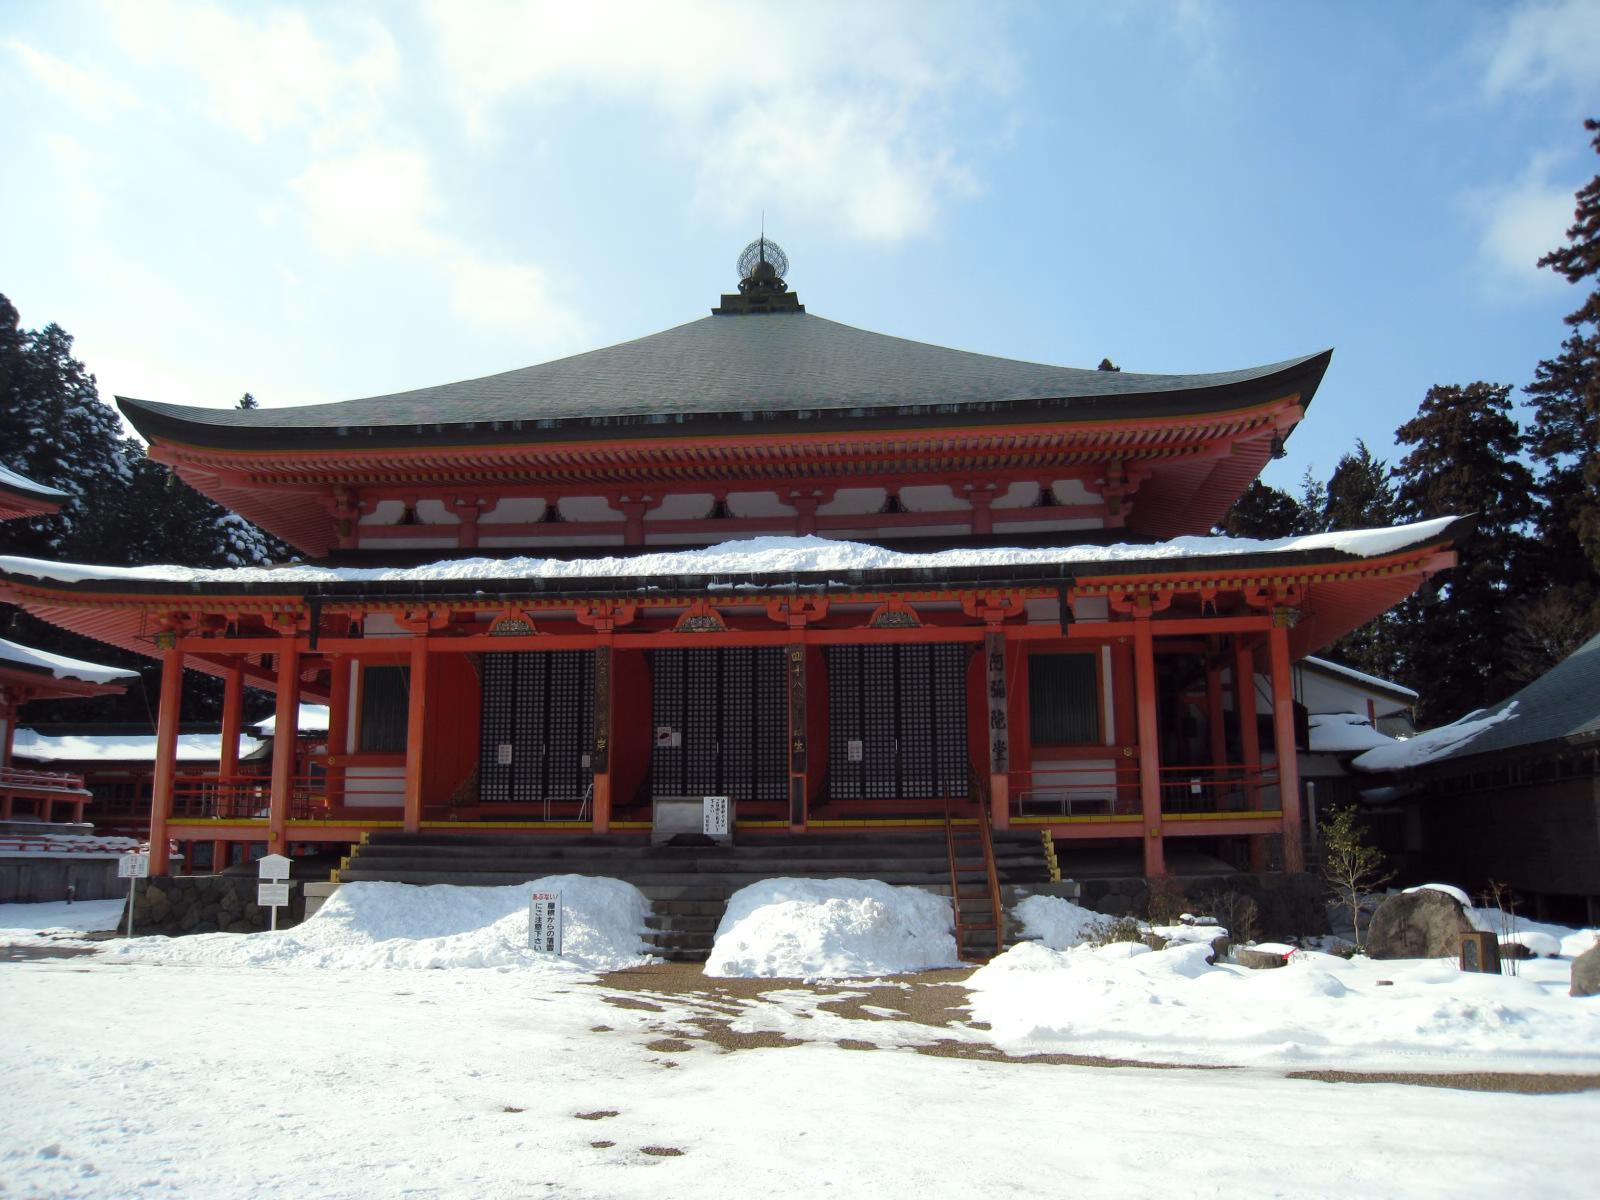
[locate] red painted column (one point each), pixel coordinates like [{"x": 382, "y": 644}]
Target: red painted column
[
  {"x": 1214, "y": 718},
  {"x": 1288, "y": 756},
  {"x": 219, "y": 856},
  {"x": 166, "y": 758},
  {"x": 338, "y": 727},
  {"x": 1144, "y": 683},
  {"x": 600, "y": 752},
  {"x": 232, "y": 717},
  {"x": 1244, "y": 704},
  {"x": 283, "y": 748},
  {"x": 416, "y": 729},
  {"x": 9, "y": 716}
]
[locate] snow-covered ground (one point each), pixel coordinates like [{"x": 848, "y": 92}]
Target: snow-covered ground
[{"x": 273, "y": 1065}]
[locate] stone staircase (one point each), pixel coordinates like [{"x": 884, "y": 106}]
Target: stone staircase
[{"x": 688, "y": 886}]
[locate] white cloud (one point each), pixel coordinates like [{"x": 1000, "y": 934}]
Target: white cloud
[
  {"x": 261, "y": 72},
  {"x": 851, "y": 111},
  {"x": 1519, "y": 223},
  {"x": 1553, "y": 43},
  {"x": 383, "y": 201},
  {"x": 88, "y": 89}
]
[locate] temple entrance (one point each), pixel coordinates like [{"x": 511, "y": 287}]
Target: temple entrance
[
  {"x": 721, "y": 723},
  {"x": 897, "y": 721},
  {"x": 537, "y": 731}
]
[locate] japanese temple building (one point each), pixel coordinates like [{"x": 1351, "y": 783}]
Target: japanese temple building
[{"x": 847, "y": 580}]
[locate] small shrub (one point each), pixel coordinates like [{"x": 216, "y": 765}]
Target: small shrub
[
  {"x": 1123, "y": 929},
  {"x": 1167, "y": 901},
  {"x": 1236, "y": 912}
]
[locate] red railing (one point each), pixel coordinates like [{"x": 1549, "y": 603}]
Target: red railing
[
  {"x": 43, "y": 784},
  {"x": 1111, "y": 789},
  {"x": 311, "y": 797}
]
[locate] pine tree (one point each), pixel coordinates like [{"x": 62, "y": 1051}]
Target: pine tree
[
  {"x": 1360, "y": 495},
  {"x": 1262, "y": 511},
  {"x": 1564, "y": 440},
  {"x": 1313, "y": 505},
  {"x": 55, "y": 430},
  {"x": 1464, "y": 460},
  {"x": 247, "y": 401}
]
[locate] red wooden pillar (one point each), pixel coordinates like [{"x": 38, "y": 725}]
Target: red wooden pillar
[
  {"x": 1244, "y": 704},
  {"x": 286, "y": 723},
  {"x": 600, "y": 752},
  {"x": 232, "y": 717},
  {"x": 999, "y": 722},
  {"x": 416, "y": 727},
  {"x": 338, "y": 727},
  {"x": 1144, "y": 686},
  {"x": 1288, "y": 756},
  {"x": 166, "y": 758},
  {"x": 1214, "y": 718},
  {"x": 795, "y": 660},
  {"x": 8, "y": 714},
  {"x": 219, "y": 856}
]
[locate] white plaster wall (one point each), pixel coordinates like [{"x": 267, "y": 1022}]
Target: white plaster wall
[
  {"x": 588, "y": 508},
  {"x": 514, "y": 510},
  {"x": 385, "y": 512},
  {"x": 605, "y": 539},
  {"x": 1018, "y": 495},
  {"x": 853, "y": 500},
  {"x": 435, "y": 512},
  {"x": 688, "y": 506},
  {"x": 374, "y": 787},
  {"x": 932, "y": 498},
  {"x": 408, "y": 543},
  {"x": 1072, "y": 491},
  {"x": 758, "y": 504}
]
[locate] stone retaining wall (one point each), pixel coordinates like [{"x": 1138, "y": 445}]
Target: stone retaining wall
[
  {"x": 1290, "y": 905},
  {"x": 177, "y": 904}
]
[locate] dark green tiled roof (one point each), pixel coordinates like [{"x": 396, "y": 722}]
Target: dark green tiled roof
[{"x": 738, "y": 368}]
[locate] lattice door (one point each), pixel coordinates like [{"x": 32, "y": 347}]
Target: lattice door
[
  {"x": 897, "y": 721},
  {"x": 721, "y": 722},
  {"x": 537, "y": 726}
]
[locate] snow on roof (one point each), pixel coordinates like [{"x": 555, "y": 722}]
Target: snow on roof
[
  {"x": 312, "y": 718},
  {"x": 120, "y": 747},
  {"x": 1432, "y": 743},
  {"x": 752, "y": 556},
  {"x": 59, "y": 666},
  {"x": 1344, "y": 733},
  {"x": 22, "y": 483},
  {"x": 1333, "y": 668}
]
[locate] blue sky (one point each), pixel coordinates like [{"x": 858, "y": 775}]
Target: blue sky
[{"x": 321, "y": 201}]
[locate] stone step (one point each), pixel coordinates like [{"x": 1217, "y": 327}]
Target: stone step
[{"x": 675, "y": 922}]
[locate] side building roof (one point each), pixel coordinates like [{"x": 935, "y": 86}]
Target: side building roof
[
  {"x": 22, "y": 497},
  {"x": 1562, "y": 705}
]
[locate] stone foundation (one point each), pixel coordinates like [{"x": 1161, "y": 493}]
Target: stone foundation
[
  {"x": 179, "y": 904},
  {"x": 1289, "y": 905}
]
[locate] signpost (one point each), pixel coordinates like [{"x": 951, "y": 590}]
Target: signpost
[
  {"x": 133, "y": 867},
  {"x": 544, "y": 922},
  {"x": 714, "y": 816},
  {"x": 272, "y": 891}
]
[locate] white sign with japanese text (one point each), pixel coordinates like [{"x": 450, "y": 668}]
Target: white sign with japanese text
[
  {"x": 544, "y": 922},
  {"x": 133, "y": 866},
  {"x": 714, "y": 815}
]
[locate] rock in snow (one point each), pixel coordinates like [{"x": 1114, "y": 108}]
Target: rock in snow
[
  {"x": 831, "y": 929},
  {"x": 1586, "y": 973},
  {"x": 1426, "y": 923}
]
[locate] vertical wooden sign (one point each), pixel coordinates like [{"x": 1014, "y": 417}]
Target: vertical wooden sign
[
  {"x": 994, "y": 658},
  {"x": 600, "y": 763}
]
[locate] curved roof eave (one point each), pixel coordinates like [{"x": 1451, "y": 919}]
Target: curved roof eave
[{"x": 744, "y": 372}]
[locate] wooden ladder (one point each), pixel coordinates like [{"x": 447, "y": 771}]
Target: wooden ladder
[{"x": 973, "y": 877}]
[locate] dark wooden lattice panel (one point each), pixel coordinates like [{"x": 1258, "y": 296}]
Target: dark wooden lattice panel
[
  {"x": 702, "y": 724},
  {"x": 497, "y": 727},
  {"x": 771, "y": 727},
  {"x": 844, "y": 720},
  {"x": 569, "y": 723},
  {"x": 879, "y": 723},
  {"x": 666, "y": 760},
  {"x": 915, "y": 691},
  {"x": 950, "y": 717},
  {"x": 736, "y": 733},
  {"x": 528, "y": 736}
]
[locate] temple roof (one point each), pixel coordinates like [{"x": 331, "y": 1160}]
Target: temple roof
[
  {"x": 781, "y": 366},
  {"x": 59, "y": 666},
  {"x": 22, "y": 497}
]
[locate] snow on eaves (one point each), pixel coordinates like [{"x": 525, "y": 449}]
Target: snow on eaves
[
  {"x": 1432, "y": 743},
  {"x": 22, "y": 483},
  {"x": 33, "y": 746},
  {"x": 1333, "y": 668},
  {"x": 1344, "y": 733},
  {"x": 312, "y": 718},
  {"x": 751, "y": 556},
  {"x": 59, "y": 666}
]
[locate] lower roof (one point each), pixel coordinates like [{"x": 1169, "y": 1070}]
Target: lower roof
[{"x": 59, "y": 666}]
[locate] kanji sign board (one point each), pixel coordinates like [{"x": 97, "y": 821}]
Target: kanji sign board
[
  {"x": 544, "y": 922},
  {"x": 133, "y": 866}
]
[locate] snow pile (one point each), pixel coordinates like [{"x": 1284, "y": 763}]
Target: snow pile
[
  {"x": 19, "y": 922},
  {"x": 831, "y": 929},
  {"x": 1123, "y": 1000},
  {"x": 1058, "y": 923},
  {"x": 396, "y": 925},
  {"x": 1544, "y": 939}
]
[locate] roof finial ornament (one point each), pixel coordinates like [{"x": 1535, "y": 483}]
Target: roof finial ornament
[{"x": 762, "y": 266}]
